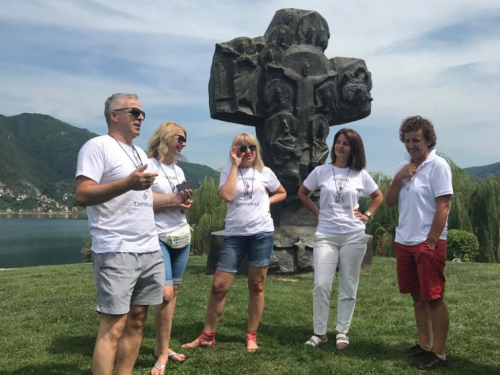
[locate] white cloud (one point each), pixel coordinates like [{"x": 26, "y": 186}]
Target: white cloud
[{"x": 163, "y": 51}]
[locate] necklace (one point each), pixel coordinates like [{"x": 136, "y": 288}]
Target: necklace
[
  {"x": 172, "y": 186},
  {"x": 247, "y": 194},
  {"x": 137, "y": 157},
  {"x": 339, "y": 195}
]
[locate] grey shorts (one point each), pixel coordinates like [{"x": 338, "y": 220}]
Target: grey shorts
[{"x": 125, "y": 279}]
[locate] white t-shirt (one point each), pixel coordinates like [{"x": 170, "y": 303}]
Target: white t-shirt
[
  {"x": 249, "y": 212},
  {"x": 167, "y": 219},
  {"x": 125, "y": 223},
  {"x": 417, "y": 203},
  {"x": 336, "y": 211}
]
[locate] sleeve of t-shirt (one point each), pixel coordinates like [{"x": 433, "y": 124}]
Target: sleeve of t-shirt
[
  {"x": 91, "y": 161},
  {"x": 369, "y": 185},
  {"x": 272, "y": 181},
  {"x": 311, "y": 182},
  {"x": 223, "y": 177},
  {"x": 441, "y": 183}
]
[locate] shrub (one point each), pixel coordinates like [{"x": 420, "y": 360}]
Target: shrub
[
  {"x": 463, "y": 245},
  {"x": 383, "y": 242},
  {"x": 86, "y": 250},
  {"x": 206, "y": 215}
]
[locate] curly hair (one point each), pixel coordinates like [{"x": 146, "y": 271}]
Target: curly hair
[
  {"x": 357, "y": 159},
  {"x": 414, "y": 124},
  {"x": 248, "y": 139},
  {"x": 158, "y": 144}
]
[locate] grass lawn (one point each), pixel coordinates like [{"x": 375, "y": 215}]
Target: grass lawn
[{"x": 48, "y": 324}]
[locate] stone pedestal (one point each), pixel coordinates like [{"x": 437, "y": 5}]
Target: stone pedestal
[{"x": 292, "y": 252}]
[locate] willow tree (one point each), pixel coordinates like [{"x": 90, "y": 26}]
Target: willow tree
[
  {"x": 460, "y": 203},
  {"x": 484, "y": 213}
]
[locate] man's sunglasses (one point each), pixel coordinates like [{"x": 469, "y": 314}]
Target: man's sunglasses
[
  {"x": 133, "y": 111},
  {"x": 251, "y": 147},
  {"x": 181, "y": 139}
]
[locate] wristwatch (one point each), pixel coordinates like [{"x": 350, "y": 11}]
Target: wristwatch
[{"x": 369, "y": 215}]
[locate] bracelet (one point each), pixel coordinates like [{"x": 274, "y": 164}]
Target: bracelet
[{"x": 369, "y": 215}]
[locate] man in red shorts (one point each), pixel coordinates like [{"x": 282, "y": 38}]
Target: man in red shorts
[{"x": 422, "y": 190}]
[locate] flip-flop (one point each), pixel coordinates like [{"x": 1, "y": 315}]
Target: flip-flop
[
  {"x": 172, "y": 354},
  {"x": 160, "y": 368}
]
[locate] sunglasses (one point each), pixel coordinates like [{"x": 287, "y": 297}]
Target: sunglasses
[
  {"x": 251, "y": 147},
  {"x": 133, "y": 111},
  {"x": 181, "y": 139}
]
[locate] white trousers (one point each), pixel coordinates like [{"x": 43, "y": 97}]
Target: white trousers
[{"x": 346, "y": 251}]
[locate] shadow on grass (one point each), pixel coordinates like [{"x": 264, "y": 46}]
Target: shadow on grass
[
  {"x": 52, "y": 368},
  {"x": 82, "y": 345}
]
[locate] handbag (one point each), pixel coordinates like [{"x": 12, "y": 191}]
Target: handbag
[{"x": 178, "y": 238}]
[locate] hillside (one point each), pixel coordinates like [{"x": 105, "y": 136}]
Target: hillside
[
  {"x": 483, "y": 171},
  {"x": 38, "y": 155}
]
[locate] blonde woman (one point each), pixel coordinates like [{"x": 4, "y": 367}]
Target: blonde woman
[
  {"x": 249, "y": 230},
  {"x": 173, "y": 230}
]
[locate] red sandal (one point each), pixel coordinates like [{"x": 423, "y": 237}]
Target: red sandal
[
  {"x": 206, "y": 336},
  {"x": 251, "y": 336}
]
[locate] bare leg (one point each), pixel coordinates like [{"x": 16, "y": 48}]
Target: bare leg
[
  {"x": 440, "y": 324},
  {"x": 163, "y": 325},
  {"x": 256, "y": 288},
  {"x": 220, "y": 285},
  {"x": 423, "y": 320},
  {"x": 111, "y": 329},
  {"x": 130, "y": 343}
]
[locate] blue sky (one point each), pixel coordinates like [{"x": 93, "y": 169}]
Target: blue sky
[{"x": 437, "y": 59}]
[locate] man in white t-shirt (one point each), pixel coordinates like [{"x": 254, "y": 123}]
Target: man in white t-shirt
[{"x": 113, "y": 183}]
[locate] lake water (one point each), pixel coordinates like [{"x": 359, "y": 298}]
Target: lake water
[{"x": 28, "y": 241}]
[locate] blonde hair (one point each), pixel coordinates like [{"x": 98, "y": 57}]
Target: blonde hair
[
  {"x": 158, "y": 144},
  {"x": 241, "y": 139}
]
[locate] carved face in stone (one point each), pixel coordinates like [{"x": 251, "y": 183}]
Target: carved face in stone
[
  {"x": 356, "y": 87},
  {"x": 305, "y": 70}
]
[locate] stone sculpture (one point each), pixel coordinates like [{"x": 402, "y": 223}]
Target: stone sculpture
[{"x": 283, "y": 84}]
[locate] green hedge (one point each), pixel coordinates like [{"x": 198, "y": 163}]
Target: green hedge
[{"x": 463, "y": 245}]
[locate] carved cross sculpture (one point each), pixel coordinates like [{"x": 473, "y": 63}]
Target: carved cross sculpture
[{"x": 285, "y": 86}]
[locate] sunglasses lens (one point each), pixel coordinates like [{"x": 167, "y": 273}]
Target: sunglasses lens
[
  {"x": 252, "y": 148},
  {"x": 136, "y": 112},
  {"x": 181, "y": 139},
  {"x": 243, "y": 148}
]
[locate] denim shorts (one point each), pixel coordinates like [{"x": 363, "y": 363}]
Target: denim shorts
[
  {"x": 234, "y": 248},
  {"x": 175, "y": 261}
]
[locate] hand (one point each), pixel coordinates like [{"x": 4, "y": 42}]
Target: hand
[
  {"x": 408, "y": 171},
  {"x": 186, "y": 205},
  {"x": 360, "y": 216},
  {"x": 235, "y": 159},
  {"x": 140, "y": 180},
  {"x": 431, "y": 243}
]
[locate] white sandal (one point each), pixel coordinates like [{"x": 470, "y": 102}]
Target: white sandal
[
  {"x": 315, "y": 341},
  {"x": 341, "y": 339},
  {"x": 160, "y": 368}
]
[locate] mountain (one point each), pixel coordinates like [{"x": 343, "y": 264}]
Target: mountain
[
  {"x": 38, "y": 156},
  {"x": 483, "y": 171}
]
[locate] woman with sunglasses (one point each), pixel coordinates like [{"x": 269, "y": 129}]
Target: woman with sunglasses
[
  {"x": 173, "y": 230},
  {"x": 249, "y": 230},
  {"x": 340, "y": 234}
]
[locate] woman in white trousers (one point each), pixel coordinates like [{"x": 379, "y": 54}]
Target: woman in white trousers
[{"x": 340, "y": 234}]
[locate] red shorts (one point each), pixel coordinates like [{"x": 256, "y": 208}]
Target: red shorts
[{"x": 421, "y": 270}]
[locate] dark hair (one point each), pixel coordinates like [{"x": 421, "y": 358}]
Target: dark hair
[
  {"x": 414, "y": 124},
  {"x": 357, "y": 159}
]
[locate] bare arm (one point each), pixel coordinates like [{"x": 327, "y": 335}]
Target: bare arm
[
  {"x": 303, "y": 195},
  {"x": 439, "y": 221},
  {"x": 172, "y": 200},
  {"x": 392, "y": 192},
  {"x": 377, "y": 199},
  {"x": 228, "y": 190},
  {"x": 278, "y": 195},
  {"x": 90, "y": 193}
]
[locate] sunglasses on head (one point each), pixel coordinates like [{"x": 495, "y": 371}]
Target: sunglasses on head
[
  {"x": 251, "y": 147},
  {"x": 181, "y": 139},
  {"x": 133, "y": 111}
]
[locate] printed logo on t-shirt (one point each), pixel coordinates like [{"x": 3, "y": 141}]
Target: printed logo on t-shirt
[{"x": 342, "y": 207}]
